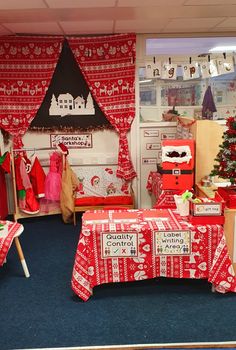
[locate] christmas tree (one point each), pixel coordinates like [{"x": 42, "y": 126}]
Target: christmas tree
[{"x": 226, "y": 157}]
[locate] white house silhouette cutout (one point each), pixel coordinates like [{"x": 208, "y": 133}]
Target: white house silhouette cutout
[{"x": 65, "y": 104}]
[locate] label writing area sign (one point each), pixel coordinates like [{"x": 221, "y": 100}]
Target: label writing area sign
[
  {"x": 172, "y": 242},
  {"x": 115, "y": 245}
]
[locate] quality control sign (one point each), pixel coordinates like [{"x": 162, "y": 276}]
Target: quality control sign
[
  {"x": 176, "y": 242},
  {"x": 115, "y": 245}
]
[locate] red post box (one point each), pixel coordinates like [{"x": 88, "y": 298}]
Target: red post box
[{"x": 178, "y": 164}]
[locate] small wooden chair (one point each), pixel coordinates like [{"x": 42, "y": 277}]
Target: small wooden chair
[{"x": 14, "y": 236}]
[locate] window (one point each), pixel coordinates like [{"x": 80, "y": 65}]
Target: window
[{"x": 157, "y": 96}]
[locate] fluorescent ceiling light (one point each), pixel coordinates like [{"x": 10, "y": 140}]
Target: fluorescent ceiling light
[
  {"x": 145, "y": 81},
  {"x": 223, "y": 48}
]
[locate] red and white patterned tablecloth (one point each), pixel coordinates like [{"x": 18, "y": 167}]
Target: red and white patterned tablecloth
[
  {"x": 204, "y": 255},
  {"x": 163, "y": 198},
  {"x": 8, "y": 230}
]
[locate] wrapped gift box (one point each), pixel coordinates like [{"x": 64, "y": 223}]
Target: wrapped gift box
[
  {"x": 177, "y": 164},
  {"x": 229, "y": 196}
]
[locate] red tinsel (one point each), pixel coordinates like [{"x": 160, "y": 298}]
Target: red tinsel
[
  {"x": 231, "y": 124},
  {"x": 185, "y": 125}
]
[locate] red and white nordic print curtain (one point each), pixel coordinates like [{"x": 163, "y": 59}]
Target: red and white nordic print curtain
[
  {"x": 26, "y": 68},
  {"x": 108, "y": 65}
]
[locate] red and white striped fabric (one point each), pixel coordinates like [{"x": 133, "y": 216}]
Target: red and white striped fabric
[
  {"x": 26, "y": 68},
  {"x": 154, "y": 184},
  {"x": 108, "y": 65}
]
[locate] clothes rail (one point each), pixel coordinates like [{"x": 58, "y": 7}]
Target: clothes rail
[
  {"x": 33, "y": 149},
  {"x": 17, "y": 214},
  {"x": 93, "y": 164}
]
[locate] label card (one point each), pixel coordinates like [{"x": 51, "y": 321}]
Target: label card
[
  {"x": 176, "y": 242},
  {"x": 207, "y": 209}
]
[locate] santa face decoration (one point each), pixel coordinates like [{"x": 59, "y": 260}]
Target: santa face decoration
[
  {"x": 178, "y": 164},
  {"x": 176, "y": 154}
]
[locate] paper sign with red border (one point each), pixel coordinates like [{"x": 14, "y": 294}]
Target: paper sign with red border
[
  {"x": 95, "y": 218},
  {"x": 79, "y": 140},
  {"x": 124, "y": 217},
  {"x": 151, "y": 133},
  {"x": 148, "y": 161},
  {"x": 153, "y": 146}
]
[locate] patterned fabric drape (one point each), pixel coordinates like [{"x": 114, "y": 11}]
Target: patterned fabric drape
[
  {"x": 26, "y": 68},
  {"x": 108, "y": 64}
]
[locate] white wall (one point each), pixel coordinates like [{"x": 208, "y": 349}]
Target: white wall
[{"x": 104, "y": 150}]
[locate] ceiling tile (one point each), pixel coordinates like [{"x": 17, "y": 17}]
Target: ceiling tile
[
  {"x": 88, "y": 27},
  {"x": 228, "y": 23},
  {"x": 80, "y": 3},
  {"x": 139, "y": 26},
  {"x": 34, "y": 28},
  {"x": 22, "y": 4},
  {"x": 185, "y": 12},
  {"x": 210, "y": 2},
  {"x": 197, "y": 24},
  {"x": 146, "y": 3},
  {"x": 108, "y": 16}
]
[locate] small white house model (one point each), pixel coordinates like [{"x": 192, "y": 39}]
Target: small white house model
[{"x": 65, "y": 104}]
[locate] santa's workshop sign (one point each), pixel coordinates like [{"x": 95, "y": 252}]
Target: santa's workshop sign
[{"x": 80, "y": 140}]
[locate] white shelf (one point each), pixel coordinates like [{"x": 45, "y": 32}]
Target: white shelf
[{"x": 156, "y": 124}]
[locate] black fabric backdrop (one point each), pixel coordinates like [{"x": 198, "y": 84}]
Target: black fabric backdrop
[{"x": 68, "y": 78}]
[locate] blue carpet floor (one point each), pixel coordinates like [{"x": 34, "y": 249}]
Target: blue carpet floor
[{"x": 42, "y": 311}]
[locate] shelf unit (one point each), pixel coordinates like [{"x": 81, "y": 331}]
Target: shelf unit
[
  {"x": 208, "y": 136},
  {"x": 230, "y": 221}
]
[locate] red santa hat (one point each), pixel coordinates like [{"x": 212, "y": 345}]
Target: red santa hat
[
  {"x": 28, "y": 164},
  {"x": 62, "y": 148},
  {"x": 94, "y": 178}
]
